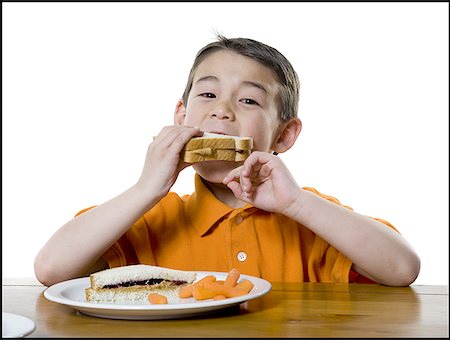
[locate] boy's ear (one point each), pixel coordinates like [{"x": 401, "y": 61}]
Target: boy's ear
[
  {"x": 288, "y": 135},
  {"x": 180, "y": 113}
]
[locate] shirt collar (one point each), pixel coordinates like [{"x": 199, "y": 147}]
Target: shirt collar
[{"x": 204, "y": 209}]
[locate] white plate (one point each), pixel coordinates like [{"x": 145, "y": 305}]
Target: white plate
[
  {"x": 16, "y": 326},
  {"x": 71, "y": 293}
]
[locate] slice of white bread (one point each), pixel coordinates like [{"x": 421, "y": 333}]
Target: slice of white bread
[
  {"x": 133, "y": 283},
  {"x": 130, "y": 295},
  {"x": 213, "y": 146}
]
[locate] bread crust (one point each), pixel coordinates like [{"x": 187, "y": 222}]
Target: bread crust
[{"x": 139, "y": 272}]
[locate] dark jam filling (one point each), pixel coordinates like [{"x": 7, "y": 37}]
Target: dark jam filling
[{"x": 143, "y": 283}]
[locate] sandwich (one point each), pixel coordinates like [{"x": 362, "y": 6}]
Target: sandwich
[
  {"x": 217, "y": 147},
  {"x": 133, "y": 284}
]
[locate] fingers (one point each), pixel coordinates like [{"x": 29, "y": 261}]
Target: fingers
[
  {"x": 232, "y": 175},
  {"x": 175, "y": 137},
  {"x": 235, "y": 187},
  {"x": 170, "y": 142},
  {"x": 233, "y": 182},
  {"x": 254, "y": 165},
  {"x": 165, "y": 150},
  {"x": 244, "y": 179}
]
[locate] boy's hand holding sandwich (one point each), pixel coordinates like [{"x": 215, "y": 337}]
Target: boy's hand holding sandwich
[{"x": 163, "y": 163}]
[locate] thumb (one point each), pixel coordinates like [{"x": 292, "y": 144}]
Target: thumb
[
  {"x": 233, "y": 175},
  {"x": 232, "y": 181}
]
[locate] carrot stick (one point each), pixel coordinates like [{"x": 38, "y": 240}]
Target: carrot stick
[
  {"x": 219, "y": 297},
  {"x": 157, "y": 299},
  {"x": 232, "y": 277},
  {"x": 201, "y": 293},
  {"x": 208, "y": 290},
  {"x": 186, "y": 291},
  {"x": 245, "y": 285}
]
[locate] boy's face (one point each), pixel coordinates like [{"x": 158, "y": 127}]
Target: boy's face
[{"x": 233, "y": 95}]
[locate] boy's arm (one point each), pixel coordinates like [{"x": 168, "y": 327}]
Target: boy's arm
[
  {"x": 76, "y": 248},
  {"x": 377, "y": 251}
]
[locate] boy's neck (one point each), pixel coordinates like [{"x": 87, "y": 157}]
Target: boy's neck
[{"x": 224, "y": 194}]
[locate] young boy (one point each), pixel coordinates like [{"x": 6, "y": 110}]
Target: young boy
[{"x": 250, "y": 215}]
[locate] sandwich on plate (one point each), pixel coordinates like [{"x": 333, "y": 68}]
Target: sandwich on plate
[
  {"x": 133, "y": 284},
  {"x": 217, "y": 147}
]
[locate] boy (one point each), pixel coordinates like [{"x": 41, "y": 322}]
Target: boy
[{"x": 250, "y": 215}]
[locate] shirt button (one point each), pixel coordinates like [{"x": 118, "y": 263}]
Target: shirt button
[
  {"x": 238, "y": 219},
  {"x": 241, "y": 256}
]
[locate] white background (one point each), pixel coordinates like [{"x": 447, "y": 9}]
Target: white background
[{"x": 87, "y": 85}]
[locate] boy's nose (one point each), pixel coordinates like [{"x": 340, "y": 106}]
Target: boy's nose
[{"x": 222, "y": 111}]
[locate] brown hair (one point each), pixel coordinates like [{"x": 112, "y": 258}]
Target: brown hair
[{"x": 264, "y": 54}]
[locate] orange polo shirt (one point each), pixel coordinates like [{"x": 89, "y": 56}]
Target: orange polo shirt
[{"x": 199, "y": 232}]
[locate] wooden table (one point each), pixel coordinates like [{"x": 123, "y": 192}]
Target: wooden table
[{"x": 288, "y": 310}]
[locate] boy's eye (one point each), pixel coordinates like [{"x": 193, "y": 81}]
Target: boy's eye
[
  {"x": 208, "y": 95},
  {"x": 249, "y": 101}
]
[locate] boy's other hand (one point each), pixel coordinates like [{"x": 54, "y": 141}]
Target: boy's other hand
[
  {"x": 162, "y": 163},
  {"x": 265, "y": 182}
]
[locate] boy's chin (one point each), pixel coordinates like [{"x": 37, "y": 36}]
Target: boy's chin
[{"x": 215, "y": 171}]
